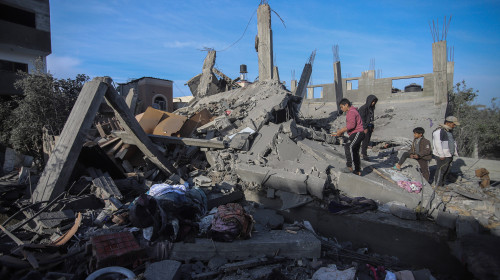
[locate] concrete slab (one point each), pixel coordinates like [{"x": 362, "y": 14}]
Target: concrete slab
[
  {"x": 264, "y": 139},
  {"x": 286, "y": 148},
  {"x": 301, "y": 245},
  {"x": 272, "y": 178}
]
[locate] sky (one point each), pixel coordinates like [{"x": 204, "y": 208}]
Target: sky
[{"x": 127, "y": 39}]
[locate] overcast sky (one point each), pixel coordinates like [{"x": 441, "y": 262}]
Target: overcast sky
[{"x": 127, "y": 39}]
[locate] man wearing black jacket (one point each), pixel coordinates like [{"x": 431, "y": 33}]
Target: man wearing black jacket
[{"x": 367, "y": 113}]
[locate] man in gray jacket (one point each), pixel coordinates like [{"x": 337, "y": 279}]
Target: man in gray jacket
[{"x": 444, "y": 148}]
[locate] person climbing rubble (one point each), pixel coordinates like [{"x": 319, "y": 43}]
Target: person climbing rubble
[
  {"x": 444, "y": 148},
  {"x": 367, "y": 113},
  {"x": 420, "y": 150},
  {"x": 354, "y": 128}
]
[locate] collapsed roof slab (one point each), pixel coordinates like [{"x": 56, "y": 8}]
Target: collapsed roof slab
[{"x": 303, "y": 244}]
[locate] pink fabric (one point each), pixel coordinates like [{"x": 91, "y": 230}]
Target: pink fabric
[
  {"x": 353, "y": 121},
  {"x": 413, "y": 186}
]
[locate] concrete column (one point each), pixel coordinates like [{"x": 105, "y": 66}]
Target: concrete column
[
  {"x": 293, "y": 86},
  {"x": 304, "y": 80},
  {"x": 265, "y": 42},
  {"x": 276, "y": 74},
  {"x": 450, "y": 72},
  {"x": 310, "y": 93},
  {"x": 337, "y": 88},
  {"x": 439, "y": 66}
]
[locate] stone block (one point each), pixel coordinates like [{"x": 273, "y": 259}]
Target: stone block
[
  {"x": 446, "y": 219},
  {"x": 164, "y": 270},
  {"x": 268, "y": 218},
  {"x": 402, "y": 212}
]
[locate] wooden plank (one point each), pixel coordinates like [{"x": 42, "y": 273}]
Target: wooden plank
[
  {"x": 57, "y": 172},
  {"x": 301, "y": 245},
  {"x": 188, "y": 141},
  {"x": 132, "y": 127}
]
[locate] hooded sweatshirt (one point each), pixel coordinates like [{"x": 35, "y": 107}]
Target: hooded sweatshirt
[
  {"x": 367, "y": 111},
  {"x": 353, "y": 121}
]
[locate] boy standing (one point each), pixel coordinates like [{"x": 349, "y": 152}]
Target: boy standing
[
  {"x": 420, "y": 150},
  {"x": 444, "y": 148},
  {"x": 367, "y": 113},
  {"x": 354, "y": 128}
]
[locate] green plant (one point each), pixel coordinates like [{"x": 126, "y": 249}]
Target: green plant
[{"x": 45, "y": 102}]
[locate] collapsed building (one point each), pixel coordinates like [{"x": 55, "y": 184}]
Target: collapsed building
[{"x": 243, "y": 183}]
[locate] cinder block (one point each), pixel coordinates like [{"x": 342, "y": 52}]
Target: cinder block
[{"x": 116, "y": 249}]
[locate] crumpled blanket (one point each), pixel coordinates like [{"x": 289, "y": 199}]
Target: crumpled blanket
[
  {"x": 170, "y": 211},
  {"x": 347, "y": 205},
  {"x": 410, "y": 186}
]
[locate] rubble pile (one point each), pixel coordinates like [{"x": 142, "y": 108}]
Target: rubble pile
[{"x": 171, "y": 194}]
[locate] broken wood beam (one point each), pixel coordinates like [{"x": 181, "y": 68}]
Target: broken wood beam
[
  {"x": 131, "y": 126},
  {"x": 188, "y": 141},
  {"x": 62, "y": 160}
]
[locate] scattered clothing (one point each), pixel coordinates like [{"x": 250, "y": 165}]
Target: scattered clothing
[
  {"x": 231, "y": 222},
  {"x": 410, "y": 186}
]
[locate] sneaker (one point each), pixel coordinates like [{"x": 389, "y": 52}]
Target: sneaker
[{"x": 346, "y": 170}]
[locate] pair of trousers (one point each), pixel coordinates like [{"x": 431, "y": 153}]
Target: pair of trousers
[
  {"x": 442, "y": 170},
  {"x": 351, "y": 148},
  {"x": 424, "y": 165},
  {"x": 366, "y": 142}
]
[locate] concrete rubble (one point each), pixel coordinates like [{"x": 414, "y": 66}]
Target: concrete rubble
[{"x": 148, "y": 193}]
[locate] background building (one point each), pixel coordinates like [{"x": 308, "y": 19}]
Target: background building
[
  {"x": 24, "y": 37},
  {"x": 154, "y": 92}
]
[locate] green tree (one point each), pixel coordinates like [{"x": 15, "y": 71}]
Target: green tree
[
  {"x": 45, "y": 102},
  {"x": 478, "y": 127}
]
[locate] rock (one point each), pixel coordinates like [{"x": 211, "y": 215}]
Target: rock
[
  {"x": 163, "y": 270},
  {"x": 402, "y": 212},
  {"x": 216, "y": 262},
  {"x": 331, "y": 272},
  {"x": 268, "y": 218}
]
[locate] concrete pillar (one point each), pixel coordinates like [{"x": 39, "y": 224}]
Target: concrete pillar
[
  {"x": 304, "y": 80},
  {"x": 310, "y": 93},
  {"x": 450, "y": 72},
  {"x": 293, "y": 86},
  {"x": 276, "y": 74},
  {"x": 265, "y": 42},
  {"x": 439, "y": 66},
  {"x": 337, "y": 88},
  {"x": 208, "y": 80}
]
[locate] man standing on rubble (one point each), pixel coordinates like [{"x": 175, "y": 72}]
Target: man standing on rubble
[
  {"x": 444, "y": 148},
  {"x": 354, "y": 128},
  {"x": 367, "y": 113}
]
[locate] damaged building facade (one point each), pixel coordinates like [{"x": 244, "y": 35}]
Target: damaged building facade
[{"x": 245, "y": 183}]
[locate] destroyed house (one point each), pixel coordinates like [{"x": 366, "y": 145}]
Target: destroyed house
[{"x": 151, "y": 92}]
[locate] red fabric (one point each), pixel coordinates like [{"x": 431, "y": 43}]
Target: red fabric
[{"x": 353, "y": 121}]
